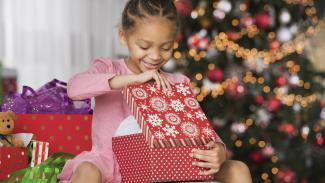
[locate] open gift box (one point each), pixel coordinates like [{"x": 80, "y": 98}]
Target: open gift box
[{"x": 172, "y": 124}]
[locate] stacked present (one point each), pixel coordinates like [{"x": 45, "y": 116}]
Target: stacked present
[
  {"x": 172, "y": 125},
  {"x": 57, "y": 123}
]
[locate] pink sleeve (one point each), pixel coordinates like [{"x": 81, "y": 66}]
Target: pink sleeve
[{"x": 92, "y": 82}]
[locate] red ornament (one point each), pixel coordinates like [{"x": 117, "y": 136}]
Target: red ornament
[
  {"x": 319, "y": 139},
  {"x": 235, "y": 90},
  {"x": 273, "y": 104},
  {"x": 263, "y": 19},
  {"x": 256, "y": 156},
  {"x": 275, "y": 45},
  {"x": 215, "y": 75},
  {"x": 247, "y": 21},
  {"x": 281, "y": 81},
  {"x": 285, "y": 175},
  {"x": 184, "y": 7},
  {"x": 259, "y": 99},
  {"x": 232, "y": 35},
  {"x": 193, "y": 41},
  {"x": 287, "y": 128}
]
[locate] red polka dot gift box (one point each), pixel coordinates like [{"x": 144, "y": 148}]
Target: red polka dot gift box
[
  {"x": 172, "y": 125},
  {"x": 12, "y": 159},
  {"x": 70, "y": 133}
]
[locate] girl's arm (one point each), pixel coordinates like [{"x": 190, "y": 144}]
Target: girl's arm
[
  {"x": 102, "y": 77},
  {"x": 94, "y": 81}
]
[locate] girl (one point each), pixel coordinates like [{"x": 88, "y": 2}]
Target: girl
[{"x": 149, "y": 28}]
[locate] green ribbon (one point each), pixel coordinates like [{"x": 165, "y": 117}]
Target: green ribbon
[{"x": 45, "y": 172}]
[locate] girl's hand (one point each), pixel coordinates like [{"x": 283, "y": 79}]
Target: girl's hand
[
  {"x": 162, "y": 81},
  {"x": 212, "y": 158}
]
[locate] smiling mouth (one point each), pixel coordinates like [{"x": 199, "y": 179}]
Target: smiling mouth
[{"x": 151, "y": 66}]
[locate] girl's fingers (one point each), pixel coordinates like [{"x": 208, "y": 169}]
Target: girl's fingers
[
  {"x": 205, "y": 165},
  {"x": 172, "y": 83},
  {"x": 156, "y": 78},
  {"x": 210, "y": 172},
  {"x": 169, "y": 87},
  {"x": 211, "y": 152},
  {"x": 162, "y": 81},
  {"x": 206, "y": 158}
]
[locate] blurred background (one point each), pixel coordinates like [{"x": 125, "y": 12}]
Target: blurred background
[{"x": 256, "y": 66}]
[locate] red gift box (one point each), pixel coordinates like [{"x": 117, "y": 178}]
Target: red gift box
[
  {"x": 140, "y": 163},
  {"x": 172, "y": 125},
  {"x": 12, "y": 159},
  {"x": 169, "y": 119},
  {"x": 65, "y": 133}
]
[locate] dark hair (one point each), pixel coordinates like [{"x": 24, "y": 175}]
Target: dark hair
[{"x": 135, "y": 9}]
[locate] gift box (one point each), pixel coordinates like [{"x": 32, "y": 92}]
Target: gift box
[
  {"x": 64, "y": 133},
  {"x": 12, "y": 159},
  {"x": 40, "y": 152},
  {"x": 140, "y": 163},
  {"x": 172, "y": 125}
]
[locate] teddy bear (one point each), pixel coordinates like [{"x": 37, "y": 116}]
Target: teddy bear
[{"x": 7, "y": 120}]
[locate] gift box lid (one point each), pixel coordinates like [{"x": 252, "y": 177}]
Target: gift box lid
[{"x": 169, "y": 118}]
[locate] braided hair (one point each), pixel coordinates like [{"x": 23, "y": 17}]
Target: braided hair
[{"x": 141, "y": 9}]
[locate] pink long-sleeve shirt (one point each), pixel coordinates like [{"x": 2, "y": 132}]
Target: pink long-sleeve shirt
[{"x": 110, "y": 110}]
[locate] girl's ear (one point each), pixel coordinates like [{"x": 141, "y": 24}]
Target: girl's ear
[{"x": 122, "y": 36}]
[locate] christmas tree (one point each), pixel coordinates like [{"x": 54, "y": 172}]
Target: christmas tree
[{"x": 250, "y": 73}]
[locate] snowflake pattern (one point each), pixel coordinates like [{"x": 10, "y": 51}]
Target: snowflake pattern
[
  {"x": 189, "y": 115},
  {"x": 154, "y": 120},
  {"x": 139, "y": 93},
  {"x": 207, "y": 131},
  {"x": 200, "y": 115},
  {"x": 168, "y": 93},
  {"x": 159, "y": 135},
  {"x": 144, "y": 107},
  {"x": 191, "y": 103},
  {"x": 190, "y": 129},
  {"x": 152, "y": 88},
  {"x": 172, "y": 118},
  {"x": 184, "y": 90},
  {"x": 177, "y": 105},
  {"x": 170, "y": 130},
  {"x": 158, "y": 104}
]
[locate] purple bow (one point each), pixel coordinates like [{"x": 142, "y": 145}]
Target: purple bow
[{"x": 51, "y": 98}]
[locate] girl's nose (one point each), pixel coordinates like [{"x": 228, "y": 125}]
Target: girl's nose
[{"x": 155, "y": 56}]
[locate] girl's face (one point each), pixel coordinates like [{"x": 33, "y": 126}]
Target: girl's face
[{"x": 150, "y": 43}]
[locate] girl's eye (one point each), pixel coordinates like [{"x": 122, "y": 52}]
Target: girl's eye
[{"x": 144, "y": 48}]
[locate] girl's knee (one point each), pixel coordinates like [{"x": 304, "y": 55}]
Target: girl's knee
[
  {"x": 87, "y": 169},
  {"x": 238, "y": 171},
  {"x": 236, "y": 167}
]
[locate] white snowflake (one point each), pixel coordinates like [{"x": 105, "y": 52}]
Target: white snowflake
[
  {"x": 169, "y": 93},
  {"x": 144, "y": 107},
  {"x": 183, "y": 89},
  {"x": 207, "y": 131},
  {"x": 154, "y": 120},
  {"x": 200, "y": 115},
  {"x": 170, "y": 130},
  {"x": 177, "y": 105},
  {"x": 152, "y": 89},
  {"x": 190, "y": 129},
  {"x": 159, "y": 135},
  {"x": 189, "y": 115}
]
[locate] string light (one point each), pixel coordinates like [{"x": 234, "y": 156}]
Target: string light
[{"x": 223, "y": 43}]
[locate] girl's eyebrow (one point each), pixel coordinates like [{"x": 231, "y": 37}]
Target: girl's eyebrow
[{"x": 150, "y": 42}]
